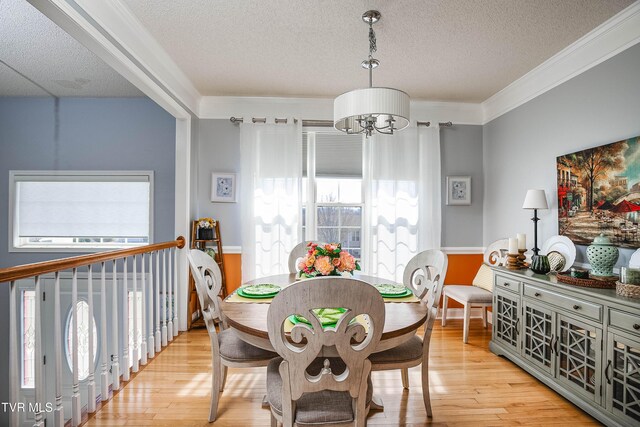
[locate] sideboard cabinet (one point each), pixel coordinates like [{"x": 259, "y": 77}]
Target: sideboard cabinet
[{"x": 584, "y": 343}]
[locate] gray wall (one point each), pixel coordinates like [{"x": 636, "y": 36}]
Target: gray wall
[
  {"x": 461, "y": 153},
  {"x": 599, "y": 106},
  {"x": 82, "y": 134},
  {"x": 219, "y": 151}
]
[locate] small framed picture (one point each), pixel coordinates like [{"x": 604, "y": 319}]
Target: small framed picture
[
  {"x": 223, "y": 187},
  {"x": 458, "y": 190}
]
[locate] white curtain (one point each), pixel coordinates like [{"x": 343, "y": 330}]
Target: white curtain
[
  {"x": 270, "y": 184},
  {"x": 402, "y": 199}
]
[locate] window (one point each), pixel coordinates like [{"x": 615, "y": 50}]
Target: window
[
  {"x": 80, "y": 210},
  {"x": 332, "y": 189},
  {"x": 85, "y": 321}
]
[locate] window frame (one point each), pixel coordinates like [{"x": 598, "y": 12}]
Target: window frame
[
  {"x": 16, "y": 176},
  {"x": 312, "y": 190}
]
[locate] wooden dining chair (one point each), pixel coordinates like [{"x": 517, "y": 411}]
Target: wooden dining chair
[
  {"x": 480, "y": 293},
  {"x": 303, "y": 386},
  {"x": 227, "y": 349},
  {"x": 424, "y": 275},
  {"x": 298, "y": 251}
]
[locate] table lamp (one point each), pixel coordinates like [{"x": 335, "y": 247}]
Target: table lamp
[{"x": 535, "y": 199}]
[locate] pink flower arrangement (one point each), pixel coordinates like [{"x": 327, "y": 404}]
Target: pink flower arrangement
[{"x": 326, "y": 260}]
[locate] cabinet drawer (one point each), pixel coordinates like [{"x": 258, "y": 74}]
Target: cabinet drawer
[
  {"x": 625, "y": 321},
  {"x": 507, "y": 284},
  {"x": 574, "y": 305}
]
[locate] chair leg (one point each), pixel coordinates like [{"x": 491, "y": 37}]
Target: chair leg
[
  {"x": 274, "y": 422},
  {"x": 445, "y": 301},
  {"x": 465, "y": 328},
  {"x": 216, "y": 381},
  {"x": 404, "y": 372},
  {"x": 484, "y": 316},
  {"x": 425, "y": 385},
  {"x": 224, "y": 378}
]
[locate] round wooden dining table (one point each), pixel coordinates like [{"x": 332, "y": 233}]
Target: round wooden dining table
[{"x": 402, "y": 319}]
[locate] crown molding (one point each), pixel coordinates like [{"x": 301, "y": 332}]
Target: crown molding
[
  {"x": 607, "y": 40},
  {"x": 224, "y": 107},
  {"x": 113, "y": 33}
]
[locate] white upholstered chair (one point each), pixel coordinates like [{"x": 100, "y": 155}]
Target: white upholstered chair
[
  {"x": 424, "y": 275},
  {"x": 227, "y": 349},
  {"x": 305, "y": 388},
  {"x": 298, "y": 251},
  {"x": 480, "y": 293}
]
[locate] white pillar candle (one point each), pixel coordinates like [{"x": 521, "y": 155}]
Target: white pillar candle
[
  {"x": 522, "y": 241},
  {"x": 513, "y": 246}
]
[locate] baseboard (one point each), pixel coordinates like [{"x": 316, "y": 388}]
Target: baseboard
[{"x": 458, "y": 313}]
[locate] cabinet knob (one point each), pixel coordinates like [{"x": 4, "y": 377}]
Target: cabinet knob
[
  {"x": 576, "y": 307},
  {"x": 537, "y": 294},
  {"x": 506, "y": 284},
  {"x": 636, "y": 326}
]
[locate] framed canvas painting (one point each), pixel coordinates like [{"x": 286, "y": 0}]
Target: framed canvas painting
[
  {"x": 458, "y": 190},
  {"x": 224, "y": 187}
]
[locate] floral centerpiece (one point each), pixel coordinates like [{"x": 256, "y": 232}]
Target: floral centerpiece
[
  {"x": 205, "y": 228},
  {"x": 326, "y": 260}
]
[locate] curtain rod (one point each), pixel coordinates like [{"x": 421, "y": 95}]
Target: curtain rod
[{"x": 321, "y": 123}]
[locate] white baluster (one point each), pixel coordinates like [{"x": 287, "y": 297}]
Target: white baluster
[
  {"x": 104, "y": 375},
  {"x": 91, "y": 384},
  {"x": 166, "y": 301},
  {"x": 158, "y": 333},
  {"x": 115, "y": 365},
  {"x": 38, "y": 416},
  {"x": 143, "y": 314},
  {"x": 75, "y": 393},
  {"x": 14, "y": 343},
  {"x": 126, "y": 373},
  {"x": 58, "y": 414},
  {"x": 175, "y": 292},
  {"x": 152, "y": 345},
  {"x": 134, "y": 297}
]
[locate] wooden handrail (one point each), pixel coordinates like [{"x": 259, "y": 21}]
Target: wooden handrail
[{"x": 39, "y": 268}]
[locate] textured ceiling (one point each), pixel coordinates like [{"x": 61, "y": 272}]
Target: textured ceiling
[
  {"x": 39, "y": 59},
  {"x": 449, "y": 50}
]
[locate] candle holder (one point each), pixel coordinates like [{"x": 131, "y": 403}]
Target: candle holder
[
  {"x": 512, "y": 262},
  {"x": 521, "y": 258}
]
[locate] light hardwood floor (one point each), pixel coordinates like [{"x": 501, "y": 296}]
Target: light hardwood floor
[{"x": 470, "y": 386}]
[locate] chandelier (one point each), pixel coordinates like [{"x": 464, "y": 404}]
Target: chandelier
[{"x": 374, "y": 109}]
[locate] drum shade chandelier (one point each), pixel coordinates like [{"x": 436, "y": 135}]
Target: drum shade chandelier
[{"x": 374, "y": 109}]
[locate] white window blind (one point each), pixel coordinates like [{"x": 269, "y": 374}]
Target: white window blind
[
  {"x": 337, "y": 154},
  {"x": 82, "y": 206}
]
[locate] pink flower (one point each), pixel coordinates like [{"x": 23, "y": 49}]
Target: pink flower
[
  {"x": 309, "y": 260},
  {"x": 336, "y": 262},
  {"x": 302, "y": 264},
  {"x": 347, "y": 262},
  {"x": 323, "y": 265},
  {"x": 331, "y": 247}
]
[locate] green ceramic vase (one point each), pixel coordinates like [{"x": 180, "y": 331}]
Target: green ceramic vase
[
  {"x": 540, "y": 264},
  {"x": 602, "y": 256}
]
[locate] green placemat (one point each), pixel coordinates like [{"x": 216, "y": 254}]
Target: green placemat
[
  {"x": 327, "y": 316},
  {"x": 390, "y": 290}
]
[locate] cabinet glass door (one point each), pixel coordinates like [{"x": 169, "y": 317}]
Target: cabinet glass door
[
  {"x": 623, "y": 377},
  {"x": 537, "y": 336},
  {"x": 579, "y": 357},
  {"x": 507, "y": 321}
]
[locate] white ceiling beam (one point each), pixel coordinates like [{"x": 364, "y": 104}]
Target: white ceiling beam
[
  {"x": 607, "y": 40},
  {"x": 111, "y": 32}
]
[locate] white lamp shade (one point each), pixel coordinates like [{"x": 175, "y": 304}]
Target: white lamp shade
[
  {"x": 535, "y": 199},
  {"x": 378, "y": 101}
]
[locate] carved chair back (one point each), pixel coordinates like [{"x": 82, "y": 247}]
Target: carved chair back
[
  {"x": 206, "y": 274},
  {"x": 424, "y": 275},
  {"x": 496, "y": 253},
  {"x": 352, "y": 341},
  {"x": 298, "y": 251}
]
